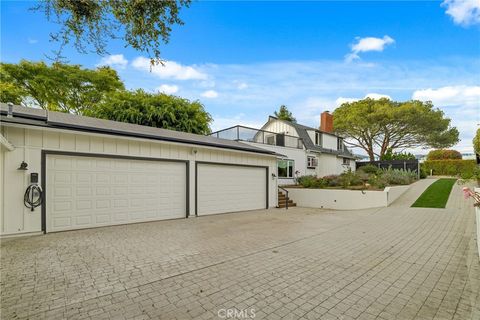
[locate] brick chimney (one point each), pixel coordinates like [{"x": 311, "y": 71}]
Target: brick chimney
[{"x": 326, "y": 122}]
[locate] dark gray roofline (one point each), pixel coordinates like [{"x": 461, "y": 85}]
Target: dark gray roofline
[
  {"x": 308, "y": 143},
  {"x": 297, "y": 125},
  {"x": 36, "y": 118}
]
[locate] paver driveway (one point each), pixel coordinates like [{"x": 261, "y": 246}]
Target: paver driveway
[{"x": 395, "y": 262}]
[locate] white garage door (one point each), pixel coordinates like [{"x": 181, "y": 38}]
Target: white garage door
[
  {"x": 85, "y": 192},
  {"x": 226, "y": 188}
]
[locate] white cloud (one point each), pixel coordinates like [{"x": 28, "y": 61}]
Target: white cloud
[
  {"x": 450, "y": 96},
  {"x": 242, "y": 85},
  {"x": 463, "y": 12},
  {"x": 461, "y": 103},
  {"x": 310, "y": 87},
  {"x": 368, "y": 44},
  {"x": 32, "y": 41},
  {"x": 169, "y": 70},
  {"x": 375, "y": 96},
  {"x": 210, "y": 94},
  {"x": 114, "y": 60},
  {"x": 168, "y": 89},
  {"x": 220, "y": 122}
]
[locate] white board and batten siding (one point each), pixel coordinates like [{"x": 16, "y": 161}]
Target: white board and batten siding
[
  {"x": 29, "y": 143},
  {"x": 230, "y": 188}
]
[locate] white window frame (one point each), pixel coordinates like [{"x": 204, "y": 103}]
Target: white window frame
[
  {"x": 293, "y": 169},
  {"x": 318, "y": 138},
  {"x": 312, "y": 162},
  {"x": 345, "y": 161}
]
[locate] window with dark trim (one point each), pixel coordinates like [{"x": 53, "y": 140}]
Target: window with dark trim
[
  {"x": 312, "y": 162},
  {"x": 340, "y": 144},
  {"x": 285, "y": 168}
]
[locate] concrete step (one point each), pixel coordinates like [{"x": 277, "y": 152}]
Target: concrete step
[{"x": 289, "y": 205}]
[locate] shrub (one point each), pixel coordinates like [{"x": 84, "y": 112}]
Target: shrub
[
  {"x": 350, "y": 178},
  {"x": 311, "y": 182},
  {"x": 423, "y": 173},
  {"x": 398, "y": 177},
  {"x": 462, "y": 168},
  {"x": 443, "y": 154},
  {"x": 369, "y": 168},
  {"x": 332, "y": 180},
  {"x": 390, "y": 155},
  {"x": 378, "y": 182},
  {"x": 306, "y": 181}
]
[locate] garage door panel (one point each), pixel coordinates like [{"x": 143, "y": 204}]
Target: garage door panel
[
  {"x": 89, "y": 192},
  {"x": 227, "y": 188}
]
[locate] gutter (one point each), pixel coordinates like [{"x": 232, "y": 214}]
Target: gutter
[{"x": 17, "y": 120}]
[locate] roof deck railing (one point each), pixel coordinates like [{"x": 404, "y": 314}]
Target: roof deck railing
[{"x": 242, "y": 133}]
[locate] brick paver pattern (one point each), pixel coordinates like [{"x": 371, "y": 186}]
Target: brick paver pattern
[{"x": 388, "y": 263}]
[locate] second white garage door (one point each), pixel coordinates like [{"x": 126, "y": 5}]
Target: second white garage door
[
  {"x": 229, "y": 188},
  {"x": 85, "y": 192}
]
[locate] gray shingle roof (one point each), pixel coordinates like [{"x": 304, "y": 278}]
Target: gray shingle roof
[
  {"x": 302, "y": 132},
  {"x": 70, "y": 121}
]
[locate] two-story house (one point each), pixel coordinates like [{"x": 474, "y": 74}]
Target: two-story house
[{"x": 303, "y": 150}]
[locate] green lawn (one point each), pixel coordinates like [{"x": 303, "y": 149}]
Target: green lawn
[{"x": 436, "y": 195}]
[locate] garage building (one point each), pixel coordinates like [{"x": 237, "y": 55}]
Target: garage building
[{"x": 97, "y": 172}]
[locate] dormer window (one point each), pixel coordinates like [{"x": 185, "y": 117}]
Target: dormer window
[
  {"x": 318, "y": 139},
  {"x": 340, "y": 144}
]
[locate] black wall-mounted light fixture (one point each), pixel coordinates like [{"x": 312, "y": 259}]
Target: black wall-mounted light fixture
[
  {"x": 23, "y": 166},
  {"x": 274, "y": 175}
]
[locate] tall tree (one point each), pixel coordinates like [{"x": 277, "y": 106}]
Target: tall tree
[
  {"x": 476, "y": 142},
  {"x": 284, "y": 114},
  {"x": 155, "y": 110},
  {"x": 377, "y": 126},
  {"x": 59, "y": 87},
  {"x": 142, "y": 25},
  {"x": 10, "y": 93}
]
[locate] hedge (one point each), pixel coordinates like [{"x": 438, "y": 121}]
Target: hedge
[
  {"x": 463, "y": 168},
  {"x": 442, "y": 154}
]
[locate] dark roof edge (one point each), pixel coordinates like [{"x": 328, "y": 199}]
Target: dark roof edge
[
  {"x": 303, "y": 127},
  {"x": 24, "y": 115},
  {"x": 54, "y": 125}
]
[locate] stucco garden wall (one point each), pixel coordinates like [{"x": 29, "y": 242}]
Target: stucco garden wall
[{"x": 345, "y": 199}]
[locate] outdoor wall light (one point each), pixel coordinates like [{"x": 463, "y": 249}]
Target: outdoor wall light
[
  {"x": 274, "y": 175},
  {"x": 23, "y": 166}
]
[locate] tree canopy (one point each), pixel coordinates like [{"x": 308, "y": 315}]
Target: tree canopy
[
  {"x": 58, "y": 87},
  {"x": 389, "y": 155},
  {"x": 90, "y": 24},
  {"x": 97, "y": 93},
  {"x": 379, "y": 125},
  {"x": 284, "y": 114},
  {"x": 155, "y": 110},
  {"x": 476, "y": 142}
]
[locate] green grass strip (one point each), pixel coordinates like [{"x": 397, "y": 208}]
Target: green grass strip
[{"x": 436, "y": 195}]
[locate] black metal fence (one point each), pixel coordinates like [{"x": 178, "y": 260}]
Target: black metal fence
[{"x": 412, "y": 165}]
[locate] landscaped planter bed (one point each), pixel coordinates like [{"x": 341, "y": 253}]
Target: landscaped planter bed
[{"x": 342, "y": 199}]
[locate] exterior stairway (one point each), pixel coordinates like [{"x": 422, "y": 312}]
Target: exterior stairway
[{"x": 282, "y": 201}]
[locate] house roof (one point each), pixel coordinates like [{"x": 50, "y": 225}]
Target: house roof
[
  {"x": 302, "y": 132},
  {"x": 59, "y": 120}
]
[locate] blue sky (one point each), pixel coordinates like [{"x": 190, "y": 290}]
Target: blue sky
[{"x": 244, "y": 59}]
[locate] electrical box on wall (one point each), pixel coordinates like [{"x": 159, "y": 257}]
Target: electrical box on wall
[{"x": 33, "y": 177}]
